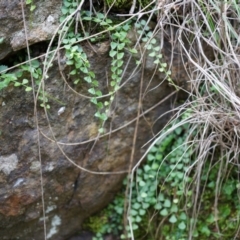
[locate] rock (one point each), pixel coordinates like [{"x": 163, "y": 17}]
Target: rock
[
  {"x": 70, "y": 194},
  {"x": 63, "y": 160},
  {"x": 41, "y": 24}
]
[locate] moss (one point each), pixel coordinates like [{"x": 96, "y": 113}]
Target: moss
[{"x": 95, "y": 223}]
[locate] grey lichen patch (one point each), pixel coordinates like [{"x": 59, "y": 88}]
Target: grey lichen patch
[
  {"x": 56, "y": 221},
  {"x": 8, "y": 163},
  {"x": 51, "y": 208},
  {"x": 35, "y": 166}
]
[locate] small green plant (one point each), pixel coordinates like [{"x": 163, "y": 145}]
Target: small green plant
[
  {"x": 18, "y": 78},
  {"x": 77, "y": 58},
  {"x": 68, "y": 7},
  {"x": 162, "y": 199},
  {"x": 6, "y": 78},
  {"x": 153, "y": 47},
  {"x": 32, "y": 5}
]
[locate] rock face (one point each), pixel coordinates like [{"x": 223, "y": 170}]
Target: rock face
[
  {"x": 68, "y": 136},
  {"x": 40, "y": 24},
  {"x": 63, "y": 160}
]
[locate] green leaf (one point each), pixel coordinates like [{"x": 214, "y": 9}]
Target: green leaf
[
  {"x": 120, "y": 55},
  {"x": 148, "y": 46},
  {"x": 158, "y": 206},
  {"x": 147, "y": 168},
  {"x": 150, "y": 157},
  {"x": 143, "y": 22},
  {"x": 174, "y": 208},
  {"x": 155, "y": 166},
  {"x": 179, "y": 175},
  {"x": 142, "y": 183},
  {"x": 175, "y": 200},
  {"x": 167, "y": 203},
  {"x": 101, "y": 130},
  {"x": 84, "y": 69},
  {"x": 143, "y": 195},
  {"x": 87, "y": 18},
  {"x": 73, "y": 72},
  {"x": 138, "y": 219},
  {"x": 119, "y": 71},
  {"x": 134, "y": 226},
  {"x": 152, "y": 54},
  {"x": 145, "y": 39},
  {"x": 112, "y": 53},
  {"x": 121, "y": 46},
  {"x": 119, "y": 63},
  {"x": 67, "y": 47},
  {"x": 95, "y": 83},
  {"x": 91, "y": 74},
  {"x": 17, "y": 84},
  {"x": 136, "y": 205},
  {"x": 159, "y": 156},
  {"x": 153, "y": 41},
  {"x": 109, "y": 21},
  {"x": 173, "y": 219},
  {"x": 182, "y": 226},
  {"x": 92, "y": 91},
  {"x": 133, "y": 50},
  {"x": 164, "y": 212},
  {"x": 24, "y": 81},
  {"x": 112, "y": 83},
  {"x": 183, "y": 216},
  {"x": 114, "y": 68},
  {"x": 3, "y": 85},
  {"x": 70, "y": 62},
  {"x": 88, "y": 79},
  {"x": 102, "y": 23},
  {"x": 101, "y": 116},
  {"x": 110, "y": 28},
  {"x": 98, "y": 93},
  {"x": 3, "y": 68},
  {"x": 114, "y": 78},
  {"x": 113, "y": 45},
  {"x": 204, "y": 229},
  {"x": 100, "y": 105},
  {"x": 64, "y": 10},
  {"x": 27, "y": 89},
  {"x": 94, "y": 100},
  {"x": 142, "y": 212},
  {"x": 32, "y": 7},
  {"x": 145, "y": 205},
  {"x": 71, "y": 10},
  {"x": 133, "y": 212},
  {"x": 76, "y": 81}
]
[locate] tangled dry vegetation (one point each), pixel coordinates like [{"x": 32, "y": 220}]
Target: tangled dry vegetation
[
  {"x": 206, "y": 34},
  {"x": 208, "y": 37}
]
